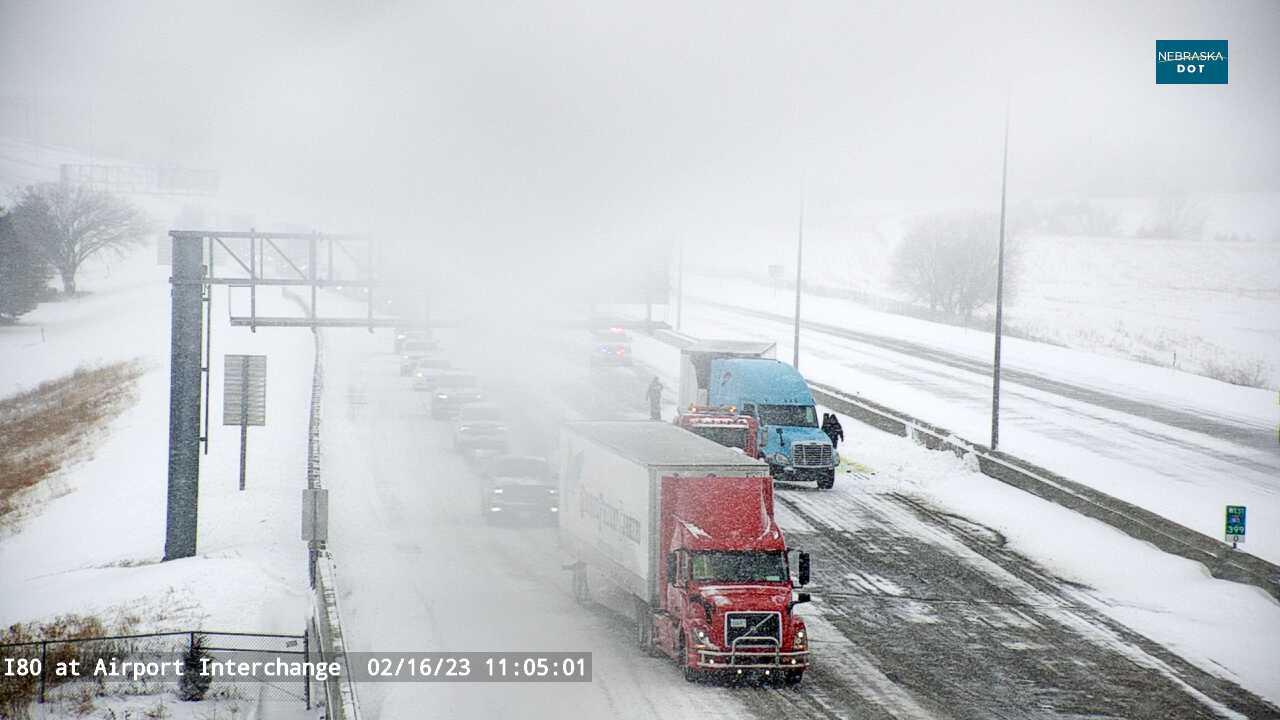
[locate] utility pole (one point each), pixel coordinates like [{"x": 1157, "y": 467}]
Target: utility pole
[
  {"x": 995, "y": 376},
  {"x": 795, "y": 340}
]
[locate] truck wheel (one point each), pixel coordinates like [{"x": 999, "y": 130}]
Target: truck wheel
[
  {"x": 792, "y": 677},
  {"x": 825, "y": 481}
]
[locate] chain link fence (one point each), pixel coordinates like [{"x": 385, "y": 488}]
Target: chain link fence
[{"x": 254, "y": 667}]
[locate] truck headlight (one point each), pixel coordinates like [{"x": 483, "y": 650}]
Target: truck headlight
[
  {"x": 700, "y": 637},
  {"x": 801, "y": 638},
  {"x": 442, "y": 396},
  {"x": 779, "y": 459},
  {"x": 497, "y": 491}
]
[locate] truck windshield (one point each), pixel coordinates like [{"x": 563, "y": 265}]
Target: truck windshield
[
  {"x": 734, "y": 437},
  {"x": 788, "y": 415},
  {"x": 739, "y": 567}
]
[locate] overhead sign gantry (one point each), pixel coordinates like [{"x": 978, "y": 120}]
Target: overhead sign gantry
[{"x": 250, "y": 260}]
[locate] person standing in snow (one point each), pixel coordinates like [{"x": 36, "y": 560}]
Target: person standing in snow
[
  {"x": 832, "y": 427},
  {"x": 655, "y": 399}
]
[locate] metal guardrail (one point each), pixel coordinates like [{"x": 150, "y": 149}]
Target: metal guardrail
[
  {"x": 1218, "y": 557},
  {"x": 340, "y": 700}
]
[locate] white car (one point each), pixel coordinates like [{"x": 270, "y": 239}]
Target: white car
[
  {"x": 452, "y": 391},
  {"x": 428, "y": 371},
  {"x": 480, "y": 431}
]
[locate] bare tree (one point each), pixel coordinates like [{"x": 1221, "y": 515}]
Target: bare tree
[
  {"x": 1175, "y": 217},
  {"x": 68, "y": 224},
  {"x": 949, "y": 261}
]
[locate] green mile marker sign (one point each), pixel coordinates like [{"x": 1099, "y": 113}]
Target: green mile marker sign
[{"x": 1235, "y": 524}]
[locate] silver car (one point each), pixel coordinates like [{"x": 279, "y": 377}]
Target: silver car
[
  {"x": 480, "y": 431},
  {"x": 452, "y": 391}
]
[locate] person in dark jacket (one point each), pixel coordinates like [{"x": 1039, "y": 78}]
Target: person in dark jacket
[
  {"x": 655, "y": 398},
  {"x": 832, "y": 427}
]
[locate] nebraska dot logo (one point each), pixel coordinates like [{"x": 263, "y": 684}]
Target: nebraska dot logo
[{"x": 1191, "y": 62}]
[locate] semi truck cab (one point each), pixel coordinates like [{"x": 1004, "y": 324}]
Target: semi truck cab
[
  {"x": 789, "y": 436},
  {"x": 686, "y": 528},
  {"x": 746, "y": 376},
  {"x": 728, "y": 590}
]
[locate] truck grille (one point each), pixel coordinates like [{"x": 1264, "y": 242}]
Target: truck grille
[
  {"x": 811, "y": 455},
  {"x": 757, "y": 629}
]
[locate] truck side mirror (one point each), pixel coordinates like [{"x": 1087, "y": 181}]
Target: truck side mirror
[{"x": 804, "y": 568}]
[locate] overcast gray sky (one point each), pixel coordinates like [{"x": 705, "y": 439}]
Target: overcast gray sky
[{"x": 560, "y": 120}]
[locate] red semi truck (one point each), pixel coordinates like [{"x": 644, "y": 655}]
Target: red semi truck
[{"x": 685, "y": 527}]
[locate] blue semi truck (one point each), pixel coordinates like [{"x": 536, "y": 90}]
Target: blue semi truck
[{"x": 746, "y": 377}]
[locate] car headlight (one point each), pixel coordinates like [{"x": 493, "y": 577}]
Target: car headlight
[
  {"x": 464, "y": 428},
  {"x": 552, "y": 491},
  {"x": 497, "y": 491},
  {"x": 442, "y": 396}
]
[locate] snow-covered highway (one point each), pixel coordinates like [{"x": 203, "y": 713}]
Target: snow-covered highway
[{"x": 918, "y": 612}]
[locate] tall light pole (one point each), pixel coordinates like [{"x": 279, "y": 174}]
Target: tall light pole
[
  {"x": 995, "y": 373},
  {"x": 795, "y": 340}
]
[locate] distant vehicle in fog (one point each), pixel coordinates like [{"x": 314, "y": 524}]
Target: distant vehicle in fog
[
  {"x": 432, "y": 378},
  {"x": 610, "y": 347},
  {"x": 454, "y": 390},
  {"x": 404, "y": 335},
  {"x": 519, "y": 487},
  {"x": 412, "y": 350},
  {"x": 427, "y": 370},
  {"x": 481, "y": 431}
]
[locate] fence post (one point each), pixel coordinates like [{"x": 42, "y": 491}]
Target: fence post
[
  {"x": 44, "y": 646},
  {"x": 306, "y": 677}
]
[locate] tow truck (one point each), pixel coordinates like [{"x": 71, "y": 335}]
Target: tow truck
[{"x": 724, "y": 426}]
